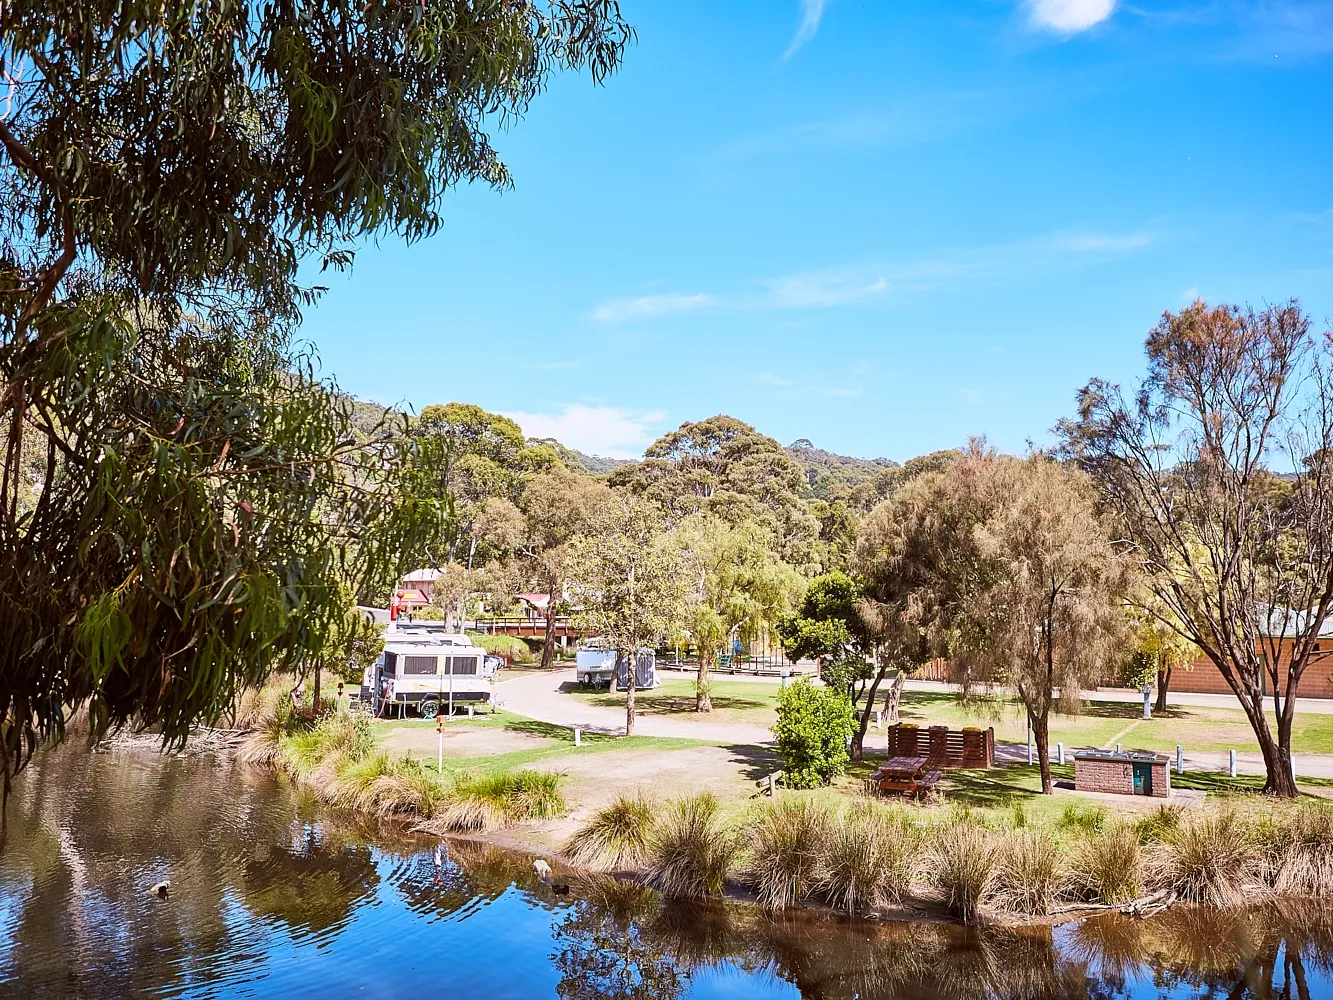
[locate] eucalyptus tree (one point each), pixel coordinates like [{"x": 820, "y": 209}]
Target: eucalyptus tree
[
  {"x": 166, "y": 170},
  {"x": 558, "y": 505},
  {"x": 1216, "y": 469},
  {"x": 628, "y": 583},
  {"x": 738, "y": 587},
  {"x": 724, "y": 467}
]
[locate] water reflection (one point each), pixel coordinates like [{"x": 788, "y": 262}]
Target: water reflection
[{"x": 273, "y": 898}]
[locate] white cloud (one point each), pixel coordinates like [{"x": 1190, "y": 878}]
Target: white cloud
[
  {"x": 861, "y": 284},
  {"x": 649, "y": 307},
  {"x": 812, "y": 12},
  {"x": 1068, "y": 16},
  {"x": 598, "y": 430}
]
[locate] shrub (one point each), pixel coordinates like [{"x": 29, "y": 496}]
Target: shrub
[
  {"x": 1303, "y": 852},
  {"x": 1029, "y": 873},
  {"x": 1107, "y": 866},
  {"x": 965, "y": 863},
  {"x": 1158, "y": 825},
  {"x": 787, "y": 843},
  {"x": 1075, "y": 817},
  {"x": 813, "y": 728},
  {"x": 1210, "y": 861},
  {"x": 870, "y": 858},
  {"x": 689, "y": 853},
  {"x": 496, "y": 800},
  {"x": 616, "y": 835}
]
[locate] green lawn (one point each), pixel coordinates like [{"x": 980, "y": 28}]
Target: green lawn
[
  {"x": 1105, "y": 723},
  {"x": 551, "y": 743},
  {"x": 1003, "y": 792},
  {"x": 733, "y": 701}
]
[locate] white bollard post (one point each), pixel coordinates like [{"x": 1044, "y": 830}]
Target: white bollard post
[
  {"x": 1030, "y": 741},
  {"x": 877, "y": 719},
  {"x": 469, "y": 711},
  {"x": 1231, "y": 769},
  {"x": 1180, "y": 759},
  {"x": 1120, "y": 748},
  {"x": 578, "y": 736},
  {"x": 1291, "y": 759},
  {"x": 1060, "y": 753}
]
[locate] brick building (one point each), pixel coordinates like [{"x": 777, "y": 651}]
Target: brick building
[{"x": 1129, "y": 772}]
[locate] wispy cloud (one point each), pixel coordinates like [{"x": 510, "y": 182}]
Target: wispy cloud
[
  {"x": 792, "y": 388},
  {"x": 866, "y": 283},
  {"x": 812, "y": 12},
  {"x": 1068, "y": 17},
  {"x": 649, "y": 307},
  {"x": 598, "y": 430}
]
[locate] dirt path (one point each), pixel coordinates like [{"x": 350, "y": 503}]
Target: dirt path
[{"x": 538, "y": 696}]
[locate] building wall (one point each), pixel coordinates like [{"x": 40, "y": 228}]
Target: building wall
[
  {"x": 1117, "y": 777},
  {"x": 1205, "y": 678}
]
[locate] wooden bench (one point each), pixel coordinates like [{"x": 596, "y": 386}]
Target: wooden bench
[{"x": 768, "y": 785}]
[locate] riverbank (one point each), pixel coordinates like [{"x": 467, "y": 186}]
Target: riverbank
[{"x": 997, "y": 851}]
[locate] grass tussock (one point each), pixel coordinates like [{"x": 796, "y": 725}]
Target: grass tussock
[
  {"x": 617, "y": 835},
  {"x": 690, "y": 853},
  {"x": 1211, "y": 860},
  {"x": 486, "y": 802},
  {"x": 1030, "y": 873},
  {"x": 870, "y": 859},
  {"x": 965, "y": 865},
  {"x": 1159, "y": 825},
  {"x": 788, "y": 841},
  {"x": 1107, "y": 867},
  {"x": 1302, "y": 852}
]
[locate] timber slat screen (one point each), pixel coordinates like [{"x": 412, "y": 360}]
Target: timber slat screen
[{"x": 942, "y": 746}]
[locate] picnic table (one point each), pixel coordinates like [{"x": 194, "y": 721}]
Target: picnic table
[{"x": 903, "y": 776}]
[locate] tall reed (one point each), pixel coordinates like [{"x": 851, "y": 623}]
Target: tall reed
[
  {"x": 965, "y": 867},
  {"x": 1210, "y": 860},
  {"x": 1302, "y": 852},
  {"x": 690, "y": 853},
  {"x": 1107, "y": 867},
  {"x": 787, "y": 844},
  {"x": 870, "y": 859},
  {"x": 1030, "y": 873},
  {"x": 617, "y": 834}
]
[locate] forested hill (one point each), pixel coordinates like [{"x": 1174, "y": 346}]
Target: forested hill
[{"x": 838, "y": 474}]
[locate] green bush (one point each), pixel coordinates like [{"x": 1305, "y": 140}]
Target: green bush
[{"x": 814, "y": 725}]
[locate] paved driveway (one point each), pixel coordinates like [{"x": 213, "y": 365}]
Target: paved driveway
[{"x": 538, "y": 696}]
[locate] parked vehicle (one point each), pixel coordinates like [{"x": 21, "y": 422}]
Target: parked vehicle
[
  {"x": 595, "y": 662},
  {"x": 430, "y": 671}
]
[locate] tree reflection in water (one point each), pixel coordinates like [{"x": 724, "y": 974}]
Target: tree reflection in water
[{"x": 247, "y": 856}]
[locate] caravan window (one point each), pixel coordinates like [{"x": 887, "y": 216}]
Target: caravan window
[
  {"x": 462, "y": 664},
  {"x": 419, "y": 664}
]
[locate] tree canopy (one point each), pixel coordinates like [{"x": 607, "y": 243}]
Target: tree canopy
[{"x": 181, "y": 498}]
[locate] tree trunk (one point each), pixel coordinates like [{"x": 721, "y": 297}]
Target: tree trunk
[
  {"x": 317, "y": 674},
  {"x": 1163, "y": 683},
  {"x": 702, "y": 702},
  {"x": 615, "y": 674},
  {"x": 858, "y": 741},
  {"x": 1042, "y": 737},
  {"x": 1277, "y": 762},
  {"x": 893, "y": 698},
  {"x": 548, "y": 648},
  {"x": 630, "y": 687}
]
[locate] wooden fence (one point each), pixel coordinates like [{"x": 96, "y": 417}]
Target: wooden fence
[{"x": 942, "y": 746}]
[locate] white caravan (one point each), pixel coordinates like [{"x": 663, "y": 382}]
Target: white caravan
[{"x": 430, "y": 671}]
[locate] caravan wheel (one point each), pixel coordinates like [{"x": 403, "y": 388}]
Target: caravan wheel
[{"x": 430, "y": 708}]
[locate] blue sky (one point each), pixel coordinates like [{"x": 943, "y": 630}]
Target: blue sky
[{"x": 883, "y": 225}]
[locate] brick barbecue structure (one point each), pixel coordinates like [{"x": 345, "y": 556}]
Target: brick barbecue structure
[
  {"x": 1130, "y": 772},
  {"x": 942, "y": 746}
]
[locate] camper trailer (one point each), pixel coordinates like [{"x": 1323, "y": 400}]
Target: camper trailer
[
  {"x": 431, "y": 671},
  {"x": 595, "y": 662}
]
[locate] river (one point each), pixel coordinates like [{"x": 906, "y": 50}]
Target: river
[{"x": 273, "y": 897}]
